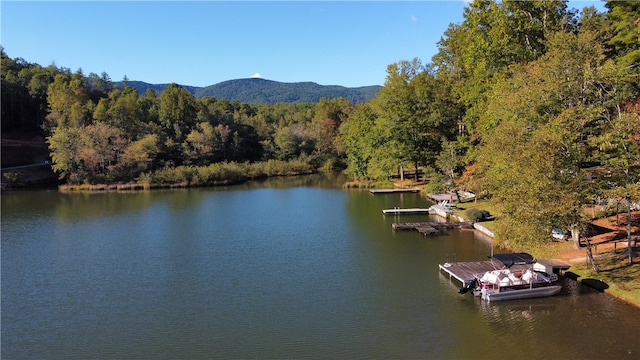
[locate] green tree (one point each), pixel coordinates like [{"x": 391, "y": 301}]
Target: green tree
[
  {"x": 624, "y": 16},
  {"x": 64, "y": 143},
  {"x": 293, "y": 141},
  {"x": 417, "y": 112},
  {"x": 359, "y": 139},
  {"x": 397, "y": 101},
  {"x": 38, "y": 84},
  {"x": 177, "y": 112},
  {"x": 245, "y": 144},
  {"x": 68, "y": 102},
  {"x": 493, "y": 36},
  {"x": 450, "y": 160},
  {"x": 125, "y": 113},
  {"x": 618, "y": 151},
  {"x": 148, "y": 112},
  {"x": 99, "y": 86},
  {"x": 540, "y": 125},
  {"x": 24, "y": 94}
]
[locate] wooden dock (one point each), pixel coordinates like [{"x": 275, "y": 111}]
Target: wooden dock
[
  {"x": 465, "y": 271},
  {"x": 407, "y": 211},
  {"x": 427, "y": 228},
  {"x": 394, "y": 191}
]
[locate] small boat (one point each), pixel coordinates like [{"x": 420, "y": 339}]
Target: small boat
[{"x": 520, "y": 277}]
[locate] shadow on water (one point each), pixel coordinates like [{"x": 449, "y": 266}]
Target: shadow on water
[{"x": 596, "y": 284}]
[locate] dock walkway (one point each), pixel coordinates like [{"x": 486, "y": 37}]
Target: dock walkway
[
  {"x": 465, "y": 271},
  {"x": 427, "y": 228},
  {"x": 393, "y": 191},
  {"x": 402, "y": 211}
]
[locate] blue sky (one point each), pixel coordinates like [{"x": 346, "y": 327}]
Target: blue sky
[{"x": 205, "y": 42}]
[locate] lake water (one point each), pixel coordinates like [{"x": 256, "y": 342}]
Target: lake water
[{"x": 293, "y": 268}]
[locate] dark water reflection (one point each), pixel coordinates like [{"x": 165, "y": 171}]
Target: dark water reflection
[{"x": 291, "y": 268}]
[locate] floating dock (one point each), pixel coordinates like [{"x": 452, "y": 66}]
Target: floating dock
[
  {"x": 393, "y": 191},
  {"x": 427, "y": 228},
  {"x": 401, "y": 211}
]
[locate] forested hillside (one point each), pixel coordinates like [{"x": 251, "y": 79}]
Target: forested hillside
[
  {"x": 530, "y": 103},
  {"x": 261, "y": 91},
  {"x": 142, "y": 86},
  {"x": 266, "y": 91},
  {"x": 527, "y": 102}
]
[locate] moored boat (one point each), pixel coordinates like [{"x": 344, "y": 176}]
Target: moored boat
[{"x": 520, "y": 277}]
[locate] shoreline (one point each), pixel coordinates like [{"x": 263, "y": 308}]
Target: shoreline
[{"x": 609, "y": 247}]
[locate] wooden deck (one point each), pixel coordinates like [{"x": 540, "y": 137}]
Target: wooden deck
[
  {"x": 393, "y": 191},
  {"x": 464, "y": 271},
  {"x": 426, "y": 228}
]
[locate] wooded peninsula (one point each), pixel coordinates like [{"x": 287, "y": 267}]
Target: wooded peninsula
[{"x": 530, "y": 103}]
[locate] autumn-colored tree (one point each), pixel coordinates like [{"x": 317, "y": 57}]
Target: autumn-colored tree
[
  {"x": 203, "y": 144},
  {"x": 101, "y": 146},
  {"x": 138, "y": 157}
]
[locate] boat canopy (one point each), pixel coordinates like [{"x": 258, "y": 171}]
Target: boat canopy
[{"x": 511, "y": 259}]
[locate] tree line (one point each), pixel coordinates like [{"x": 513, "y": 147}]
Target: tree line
[
  {"x": 98, "y": 133},
  {"x": 528, "y": 102}
]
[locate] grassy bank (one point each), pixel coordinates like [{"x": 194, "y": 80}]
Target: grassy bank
[
  {"x": 480, "y": 205},
  {"x": 623, "y": 279},
  {"x": 199, "y": 176}
]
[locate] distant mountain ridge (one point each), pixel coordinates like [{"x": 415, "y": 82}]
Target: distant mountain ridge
[
  {"x": 142, "y": 86},
  {"x": 257, "y": 90}
]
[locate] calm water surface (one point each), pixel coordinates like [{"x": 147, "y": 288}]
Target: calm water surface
[{"x": 281, "y": 269}]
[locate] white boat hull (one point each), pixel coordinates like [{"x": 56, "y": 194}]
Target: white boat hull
[{"x": 509, "y": 294}]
